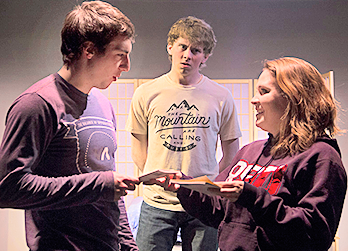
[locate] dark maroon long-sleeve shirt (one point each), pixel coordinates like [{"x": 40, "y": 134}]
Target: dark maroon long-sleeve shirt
[{"x": 56, "y": 159}]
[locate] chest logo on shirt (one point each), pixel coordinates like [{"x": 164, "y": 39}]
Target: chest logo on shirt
[
  {"x": 105, "y": 154},
  {"x": 95, "y": 141},
  {"x": 180, "y": 127},
  {"x": 268, "y": 177}
]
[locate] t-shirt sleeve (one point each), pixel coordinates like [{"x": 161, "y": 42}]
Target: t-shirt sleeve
[
  {"x": 137, "y": 119},
  {"x": 229, "y": 122}
]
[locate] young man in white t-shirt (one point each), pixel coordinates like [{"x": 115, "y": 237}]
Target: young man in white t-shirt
[{"x": 175, "y": 121}]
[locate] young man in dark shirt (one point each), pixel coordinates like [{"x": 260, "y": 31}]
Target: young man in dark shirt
[{"x": 57, "y": 154}]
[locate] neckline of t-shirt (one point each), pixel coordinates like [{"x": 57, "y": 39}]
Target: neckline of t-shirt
[
  {"x": 171, "y": 82},
  {"x": 70, "y": 86}
]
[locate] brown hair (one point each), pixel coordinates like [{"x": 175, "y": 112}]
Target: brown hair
[
  {"x": 95, "y": 21},
  {"x": 311, "y": 110}
]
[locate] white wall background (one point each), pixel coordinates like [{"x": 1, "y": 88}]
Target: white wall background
[{"x": 248, "y": 31}]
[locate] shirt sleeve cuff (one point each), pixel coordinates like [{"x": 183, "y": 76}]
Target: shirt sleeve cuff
[
  {"x": 248, "y": 196},
  {"x": 109, "y": 187}
]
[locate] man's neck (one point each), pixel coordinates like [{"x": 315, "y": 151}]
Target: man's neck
[
  {"x": 185, "y": 80},
  {"x": 74, "y": 77}
]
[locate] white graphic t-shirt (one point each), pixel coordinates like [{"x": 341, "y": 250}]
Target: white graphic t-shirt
[{"x": 183, "y": 124}]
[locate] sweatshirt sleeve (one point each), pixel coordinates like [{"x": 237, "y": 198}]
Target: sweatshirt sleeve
[
  {"x": 311, "y": 218},
  {"x": 30, "y": 126},
  {"x": 208, "y": 209}
]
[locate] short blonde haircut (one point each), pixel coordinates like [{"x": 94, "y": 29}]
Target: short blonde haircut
[{"x": 195, "y": 30}]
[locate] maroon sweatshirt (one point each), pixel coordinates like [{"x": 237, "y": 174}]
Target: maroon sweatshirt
[{"x": 292, "y": 203}]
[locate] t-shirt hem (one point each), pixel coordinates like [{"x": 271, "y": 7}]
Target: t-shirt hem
[{"x": 170, "y": 207}]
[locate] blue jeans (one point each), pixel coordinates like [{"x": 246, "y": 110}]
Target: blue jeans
[{"x": 158, "y": 231}]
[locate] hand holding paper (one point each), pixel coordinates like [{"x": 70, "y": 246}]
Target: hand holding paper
[
  {"x": 201, "y": 184},
  {"x": 170, "y": 180},
  {"x": 161, "y": 178},
  {"x": 123, "y": 183},
  {"x": 229, "y": 189}
]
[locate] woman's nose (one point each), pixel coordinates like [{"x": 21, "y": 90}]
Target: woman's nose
[{"x": 254, "y": 100}]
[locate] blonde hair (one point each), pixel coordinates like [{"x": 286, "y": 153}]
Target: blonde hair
[
  {"x": 195, "y": 30},
  {"x": 311, "y": 110}
]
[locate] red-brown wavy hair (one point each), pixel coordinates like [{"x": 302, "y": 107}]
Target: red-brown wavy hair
[{"x": 311, "y": 110}]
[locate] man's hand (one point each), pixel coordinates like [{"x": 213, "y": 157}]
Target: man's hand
[
  {"x": 123, "y": 183},
  {"x": 165, "y": 181},
  {"x": 228, "y": 189}
]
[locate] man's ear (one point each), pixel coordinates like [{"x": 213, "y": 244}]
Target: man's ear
[
  {"x": 205, "y": 59},
  {"x": 169, "y": 49},
  {"x": 88, "y": 49}
]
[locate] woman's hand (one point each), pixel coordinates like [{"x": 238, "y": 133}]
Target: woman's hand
[{"x": 228, "y": 189}]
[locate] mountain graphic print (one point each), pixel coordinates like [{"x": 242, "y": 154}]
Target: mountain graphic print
[{"x": 178, "y": 127}]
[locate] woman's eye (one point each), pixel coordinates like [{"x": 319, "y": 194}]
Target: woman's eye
[{"x": 263, "y": 91}]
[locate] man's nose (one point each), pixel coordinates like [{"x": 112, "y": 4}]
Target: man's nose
[
  {"x": 188, "y": 53},
  {"x": 125, "y": 66}
]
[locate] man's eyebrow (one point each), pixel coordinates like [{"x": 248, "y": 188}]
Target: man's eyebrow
[{"x": 123, "y": 50}]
